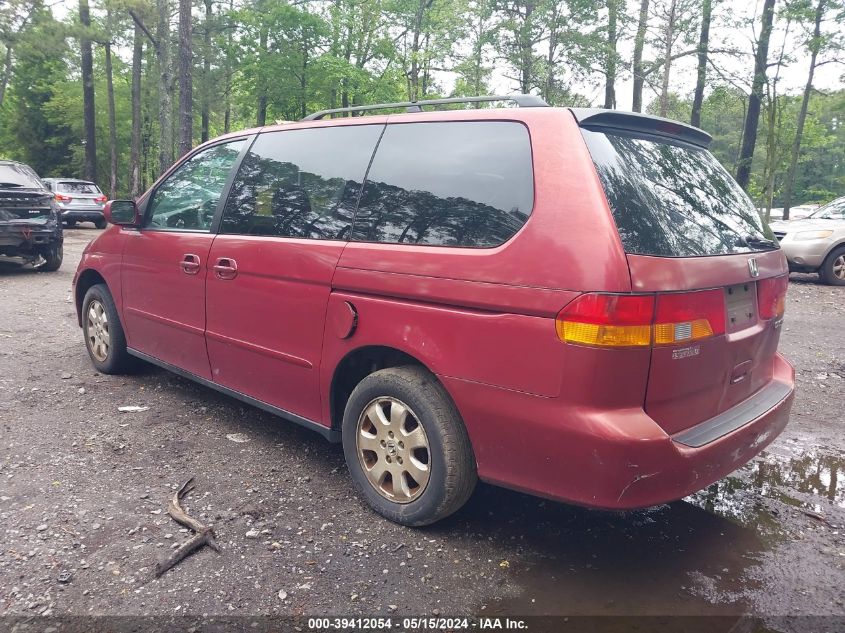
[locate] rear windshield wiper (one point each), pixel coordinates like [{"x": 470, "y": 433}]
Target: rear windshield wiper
[{"x": 752, "y": 241}]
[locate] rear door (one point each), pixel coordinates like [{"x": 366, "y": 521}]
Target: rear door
[
  {"x": 285, "y": 224},
  {"x": 694, "y": 239}
]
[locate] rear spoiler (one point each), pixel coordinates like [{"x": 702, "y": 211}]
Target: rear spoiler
[{"x": 633, "y": 122}]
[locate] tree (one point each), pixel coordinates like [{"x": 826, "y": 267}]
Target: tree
[
  {"x": 186, "y": 95},
  {"x": 87, "y": 66},
  {"x": 752, "y": 117},
  {"x": 611, "y": 54},
  {"x": 701, "y": 72},
  {"x": 639, "y": 45},
  {"x": 816, "y": 44},
  {"x": 165, "y": 85},
  {"x": 135, "y": 143}
]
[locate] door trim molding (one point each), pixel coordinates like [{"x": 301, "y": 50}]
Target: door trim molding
[
  {"x": 260, "y": 349},
  {"x": 332, "y": 435},
  {"x": 191, "y": 329}
]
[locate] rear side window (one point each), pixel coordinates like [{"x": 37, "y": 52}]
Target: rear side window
[
  {"x": 448, "y": 184},
  {"x": 78, "y": 187},
  {"x": 674, "y": 200},
  {"x": 301, "y": 183}
]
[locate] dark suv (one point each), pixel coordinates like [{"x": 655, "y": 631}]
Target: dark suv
[
  {"x": 30, "y": 220},
  {"x": 580, "y": 304}
]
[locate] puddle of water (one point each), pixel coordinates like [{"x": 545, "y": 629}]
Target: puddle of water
[
  {"x": 810, "y": 480},
  {"x": 687, "y": 558}
]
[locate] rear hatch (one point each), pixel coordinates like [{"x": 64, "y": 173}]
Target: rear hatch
[
  {"x": 695, "y": 242},
  {"x": 23, "y": 198},
  {"x": 79, "y": 194}
]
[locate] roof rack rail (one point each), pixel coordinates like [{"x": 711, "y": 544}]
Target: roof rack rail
[{"x": 523, "y": 101}]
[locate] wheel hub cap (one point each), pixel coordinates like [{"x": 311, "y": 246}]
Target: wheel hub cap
[{"x": 393, "y": 450}]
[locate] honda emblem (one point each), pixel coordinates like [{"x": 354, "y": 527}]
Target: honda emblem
[{"x": 752, "y": 267}]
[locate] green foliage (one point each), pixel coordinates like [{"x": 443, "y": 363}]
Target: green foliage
[{"x": 294, "y": 57}]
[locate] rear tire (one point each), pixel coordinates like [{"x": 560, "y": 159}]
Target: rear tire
[
  {"x": 104, "y": 336},
  {"x": 833, "y": 269},
  {"x": 100, "y": 223},
  {"x": 53, "y": 259},
  {"x": 70, "y": 223},
  {"x": 419, "y": 435}
]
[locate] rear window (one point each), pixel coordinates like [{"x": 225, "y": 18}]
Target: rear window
[
  {"x": 674, "y": 200},
  {"x": 448, "y": 184},
  {"x": 78, "y": 187},
  {"x": 19, "y": 176}
]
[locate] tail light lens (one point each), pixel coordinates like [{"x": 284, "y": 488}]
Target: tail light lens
[
  {"x": 60, "y": 197},
  {"x": 689, "y": 316},
  {"x": 607, "y": 320},
  {"x": 610, "y": 320},
  {"x": 771, "y": 296},
  {"x": 101, "y": 199}
]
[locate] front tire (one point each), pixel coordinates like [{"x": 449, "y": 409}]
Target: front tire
[
  {"x": 833, "y": 268},
  {"x": 104, "y": 336},
  {"x": 406, "y": 446},
  {"x": 52, "y": 259}
]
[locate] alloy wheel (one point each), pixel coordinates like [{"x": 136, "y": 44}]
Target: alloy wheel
[
  {"x": 839, "y": 267},
  {"x": 393, "y": 450},
  {"x": 97, "y": 330}
]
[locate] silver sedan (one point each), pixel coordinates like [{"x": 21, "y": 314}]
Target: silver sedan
[{"x": 816, "y": 243}]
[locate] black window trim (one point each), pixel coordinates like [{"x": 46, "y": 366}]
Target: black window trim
[
  {"x": 452, "y": 246},
  {"x": 248, "y": 139},
  {"x": 218, "y": 217}
]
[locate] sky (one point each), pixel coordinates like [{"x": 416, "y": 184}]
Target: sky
[{"x": 792, "y": 76}]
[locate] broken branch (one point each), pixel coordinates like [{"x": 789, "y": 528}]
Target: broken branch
[{"x": 204, "y": 534}]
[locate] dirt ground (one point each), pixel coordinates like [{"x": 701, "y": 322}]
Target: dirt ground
[{"x": 83, "y": 493}]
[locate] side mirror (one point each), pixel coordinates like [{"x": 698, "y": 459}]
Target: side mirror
[{"x": 122, "y": 213}]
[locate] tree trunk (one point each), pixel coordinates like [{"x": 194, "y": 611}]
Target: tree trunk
[
  {"x": 701, "y": 75},
  {"x": 261, "y": 87},
  {"x": 112, "y": 122},
  {"x": 752, "y": 116},
  {"x": 135, "y": 144},
  {"x": 610, "y": 60},
  {"x": 414, "y": 72},
  {"x": 639, "y": 44},
  {"x": 667, "y": 57},
  {"x": 7, "y": 69},
  {"x": 186, "y": 86},
  {"x": 802, "y": 113},
  {"x": 206, "y": 73},
  {"x": 526, "y": 72},
  {"x": 88, "y": 115},
  {"x": 165, "y": 86},
  {"x": 227, "y": 114}
]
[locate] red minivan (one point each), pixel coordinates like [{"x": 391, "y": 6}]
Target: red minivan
[{"x": 579, "y": 304}]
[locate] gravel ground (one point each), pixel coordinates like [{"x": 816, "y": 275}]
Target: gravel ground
[{"x": 83, "y": 493}]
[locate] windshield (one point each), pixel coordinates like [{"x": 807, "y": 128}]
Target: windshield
[
  {"x": 674, "y": 200},
  {"x": 78, "y": 187},
  {"x": 832, "y": 211},
  {"x": 13, "y": 175}
]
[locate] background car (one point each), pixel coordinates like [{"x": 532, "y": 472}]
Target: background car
[
  {"x": 79, "y": 200},
  {"x": 30, "y": 224},
  {"x": 816, "y": 243}
]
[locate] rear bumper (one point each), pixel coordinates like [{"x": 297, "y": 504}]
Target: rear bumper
[
  {"x": 619, "y": 459},
  {"x": 85, "y": 214}
]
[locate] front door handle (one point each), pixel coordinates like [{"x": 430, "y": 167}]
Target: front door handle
[
  {"x": 226, "y": 268},
  {"x": 190, "y": 264}
]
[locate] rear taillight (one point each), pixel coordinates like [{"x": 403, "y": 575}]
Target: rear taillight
[
  {"x": 611, "y": 320},
  {"x": 689, "y": 316},
  {"x": 607, "y": 320},
  {"x": 60, "y": 197},
  {"x": 101, "y": 199},
  {"x": 771, "y": 296}
]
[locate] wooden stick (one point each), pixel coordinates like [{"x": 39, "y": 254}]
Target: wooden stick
[{"x": 204, "y": 534}]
